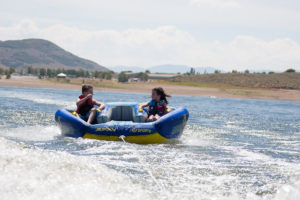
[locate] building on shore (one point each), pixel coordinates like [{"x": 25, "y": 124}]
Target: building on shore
[
  {"x": 135, "y": 76},
  {"x": 61, "y": 75},
  {"x": 134, "y": 80},
  {"x": 160, "y": 76}
]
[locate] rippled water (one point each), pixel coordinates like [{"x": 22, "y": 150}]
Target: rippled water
[{"x": 230, "y": 149}]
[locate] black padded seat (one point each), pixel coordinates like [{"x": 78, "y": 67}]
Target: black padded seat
[{"x": 121, "y": 113}]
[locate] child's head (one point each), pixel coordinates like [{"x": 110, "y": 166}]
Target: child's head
[
  {"x": 87, "y": 89},
  {"x": 159, "y": 94}
]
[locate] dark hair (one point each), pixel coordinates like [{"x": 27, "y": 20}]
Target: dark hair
[
  {"x": 86, "y": 88},
  {"x": 160, "y": 91}
]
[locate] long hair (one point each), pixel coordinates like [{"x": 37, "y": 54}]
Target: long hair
[{"x": 163, "y": 96}]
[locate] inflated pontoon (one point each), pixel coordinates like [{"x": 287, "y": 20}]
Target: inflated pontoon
[{"x": 124, "y": 121}]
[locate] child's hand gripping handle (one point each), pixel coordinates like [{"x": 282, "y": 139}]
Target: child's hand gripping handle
[{"x": 141, "y": 108}]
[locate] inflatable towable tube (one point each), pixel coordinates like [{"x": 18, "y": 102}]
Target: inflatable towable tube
[{"x": 124, "y": 121}]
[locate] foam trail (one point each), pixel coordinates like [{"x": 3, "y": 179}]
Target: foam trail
[
  {"x": 143, "y": 163},
  {"x": 39, "y": 174},
  {"x": 226, "y": 152},
  {"x": 32, "y": 133},
  {"x": 38, "y": 99},
  {"x": 289, "y": 192}
]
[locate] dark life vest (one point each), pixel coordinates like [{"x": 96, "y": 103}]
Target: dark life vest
[
  {"x": 157, "y": 108},
  {"x": 86, "y": 106}
]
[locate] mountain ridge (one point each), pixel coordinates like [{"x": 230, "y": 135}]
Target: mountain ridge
[
  {"x": 40, "y": 53},
  {"x": 166, "y": 68}
]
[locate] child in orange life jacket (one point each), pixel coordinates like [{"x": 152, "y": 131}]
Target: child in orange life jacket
[
  {"x": 85, "y": 104},
  {"x": 158, "y": 106}
]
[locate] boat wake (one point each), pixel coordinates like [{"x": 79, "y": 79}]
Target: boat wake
[{"x": 37, "y": 160}]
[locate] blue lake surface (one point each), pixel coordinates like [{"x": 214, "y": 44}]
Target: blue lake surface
[{"x": 230, "y": 149}]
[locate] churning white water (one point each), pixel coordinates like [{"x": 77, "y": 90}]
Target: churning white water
[{"x": 230, "y": 149}]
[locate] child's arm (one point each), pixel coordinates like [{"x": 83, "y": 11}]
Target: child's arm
[
  {"x": 142, "y": 106},
  {"x": 167, "y": 108},
  {"x": 100, "y": 105},
  {"x": 81, "y": 101}
]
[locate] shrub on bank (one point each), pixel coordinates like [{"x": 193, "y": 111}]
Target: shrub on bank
[{"x": 290, "y": 70}]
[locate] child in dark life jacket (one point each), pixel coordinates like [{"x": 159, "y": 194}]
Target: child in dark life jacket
[
  {"x": 85, "y": 104},
  {"x": 158, "y": 106}
]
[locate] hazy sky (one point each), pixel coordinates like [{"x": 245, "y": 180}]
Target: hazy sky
[{"x": 226, "y": 34}]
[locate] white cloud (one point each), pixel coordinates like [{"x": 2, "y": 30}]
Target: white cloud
[
  {"x": 216, "y": 3},
  {"x": 161, "y": 45}
]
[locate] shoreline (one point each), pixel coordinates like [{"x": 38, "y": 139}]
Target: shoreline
[{"x": 244, "y": 93}]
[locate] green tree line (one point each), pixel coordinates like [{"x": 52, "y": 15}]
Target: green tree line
[
  {"x": 51, "y": 73},
  {"x": 192, "y": 71},
  {"x": 7, "y": 72},
  {"x": 123, "y": 77}
]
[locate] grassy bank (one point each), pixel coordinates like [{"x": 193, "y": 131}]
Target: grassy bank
[
  {"x": 224, "y": 82},
  {"x": 231, "y": 80},
  {"x": 95, "y": 82},
  {"x": 173, "y": 88}
]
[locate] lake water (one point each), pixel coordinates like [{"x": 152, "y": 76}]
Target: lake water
[{"x": 230, "y": 149}]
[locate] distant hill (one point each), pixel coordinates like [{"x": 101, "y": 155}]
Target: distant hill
[
  {"x": 179, "y": 69},
  {"x": 168, "y": 68},
  {"x": 127, "y": 68},
  {"x": 41, "y": 53}
]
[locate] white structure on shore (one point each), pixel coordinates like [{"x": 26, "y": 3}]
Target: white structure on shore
[{"x": 61, "y": 75}]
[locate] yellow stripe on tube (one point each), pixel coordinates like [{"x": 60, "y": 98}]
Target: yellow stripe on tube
[{"x": 139, "y": 139}]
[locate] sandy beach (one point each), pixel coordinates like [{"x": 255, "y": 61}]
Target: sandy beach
[{"x": 271, "y": 94}]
